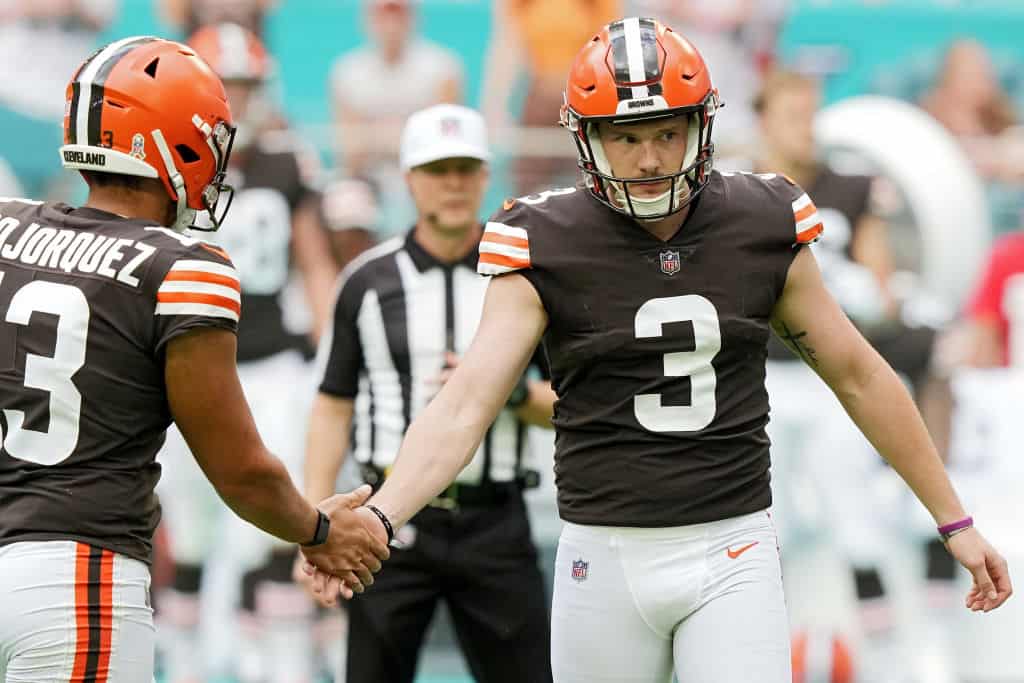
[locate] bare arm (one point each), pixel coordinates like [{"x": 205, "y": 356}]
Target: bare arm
[
  {"x": 326, "y": 442},
  {"x": 537, "y": 409},
  {"x": 208, "y": 405},
  {"x": 209, "y": 408},
  {"x": 444, "y": 437},
  {"x": 870, "y": 248},
  {"x": 808, "y": 319}
]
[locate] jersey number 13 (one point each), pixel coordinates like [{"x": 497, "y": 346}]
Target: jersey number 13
[{"x": 51, "y": 374}]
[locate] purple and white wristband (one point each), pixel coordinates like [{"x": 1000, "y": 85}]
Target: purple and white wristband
[{"x": 948, "y": 531}]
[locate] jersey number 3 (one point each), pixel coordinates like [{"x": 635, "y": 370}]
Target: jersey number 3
[
  {"x": 696, "y": 364},
  {"x": 51, "y": 374}
]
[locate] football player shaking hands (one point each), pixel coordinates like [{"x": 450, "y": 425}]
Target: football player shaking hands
[
  {"x": 655, "y": 286},
  {"x": 114, "y": 324}
]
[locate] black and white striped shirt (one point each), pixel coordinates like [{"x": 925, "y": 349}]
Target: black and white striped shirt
[{"x": 398, "y": 311}]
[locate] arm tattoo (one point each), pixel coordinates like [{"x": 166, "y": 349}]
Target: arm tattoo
[{"x": 796, "y": 341}]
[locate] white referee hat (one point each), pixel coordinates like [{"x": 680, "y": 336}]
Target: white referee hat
[{"x": 443, "y": 131}]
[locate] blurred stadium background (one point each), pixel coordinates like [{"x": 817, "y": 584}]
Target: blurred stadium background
[{"x": 926, "y": 96}]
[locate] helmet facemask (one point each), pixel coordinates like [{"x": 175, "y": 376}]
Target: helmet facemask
[{"x": 220, "y": 139}]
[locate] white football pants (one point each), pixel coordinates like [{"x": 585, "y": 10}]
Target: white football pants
[
  {"x": 72, "y": 612},
  {"x": 631, "y": 605}
]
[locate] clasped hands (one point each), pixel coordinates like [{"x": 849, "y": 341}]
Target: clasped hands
[{"x": 355, "y": 548}]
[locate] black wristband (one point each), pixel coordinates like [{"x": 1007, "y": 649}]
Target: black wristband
[
  {"x": 323, "y": 527},
  {"x": 383, "y": 520}
]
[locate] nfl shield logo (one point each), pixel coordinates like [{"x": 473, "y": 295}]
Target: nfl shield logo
[
  {"x": 670, "y": 262},
  {"x": 579, "y": 570}
]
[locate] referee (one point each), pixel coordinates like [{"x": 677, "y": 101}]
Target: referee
[{"x": 405, "y": 311}]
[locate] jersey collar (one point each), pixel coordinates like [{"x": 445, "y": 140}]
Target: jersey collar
[{"x": 424, "y": 261}]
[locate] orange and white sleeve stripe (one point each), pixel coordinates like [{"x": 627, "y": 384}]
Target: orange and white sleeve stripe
[
  {"x": 808, "y": 222},
  {"x": 194, "y": 287},
  {"x": 503, "y": 249}
]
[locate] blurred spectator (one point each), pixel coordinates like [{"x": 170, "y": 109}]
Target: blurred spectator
[
  {"x": 349, "y": 211},
  {"x": 376, "y": 86},
  {"x": 41, "y": 42},
  {"x": 969, "y": 100},
  {"x": 541, "y": 38},
  {"x": 855, "y": 254},
  {"x": 189, "y": 15}
]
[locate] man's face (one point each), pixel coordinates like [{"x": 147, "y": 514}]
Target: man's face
[
  {"x": 449, "y": 191},
  {"x": 645, "y": 150},
  {"x": 390, "y": 24},
  {"x": 787, "y": 123}
]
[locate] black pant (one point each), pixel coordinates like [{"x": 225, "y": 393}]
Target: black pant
[{"x": 483, "y": 563}]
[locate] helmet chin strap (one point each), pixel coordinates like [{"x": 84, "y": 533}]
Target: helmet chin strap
[
  {"x": 648, "y": 207},
  {"x": 185, "y": 217}
]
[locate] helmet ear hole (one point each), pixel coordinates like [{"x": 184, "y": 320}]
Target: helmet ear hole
[
  {"x": 187, "y": 154},
  {"x": 151, "y": 67}
]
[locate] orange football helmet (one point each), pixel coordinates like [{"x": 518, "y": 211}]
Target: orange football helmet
[
  {"x": 150, "y": 107},
  {"x": 639, "y": 69}
]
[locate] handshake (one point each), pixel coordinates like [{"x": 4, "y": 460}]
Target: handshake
[{"x": 356, "y": 546}]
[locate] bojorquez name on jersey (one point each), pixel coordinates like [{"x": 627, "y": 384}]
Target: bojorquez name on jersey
[{"x": 73, "y": 251}]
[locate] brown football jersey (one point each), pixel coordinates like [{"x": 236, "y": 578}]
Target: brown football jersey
[
  {"x": 88, "y": 302},
  {"x": 657, "y": 349}
]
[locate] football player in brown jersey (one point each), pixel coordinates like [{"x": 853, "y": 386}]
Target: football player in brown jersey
[
  {"x": 654, "y": 287},
  {"x": 114, "y": 323}
]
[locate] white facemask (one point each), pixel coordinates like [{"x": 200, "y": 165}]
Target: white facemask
[{"x": 648, "y": 207}]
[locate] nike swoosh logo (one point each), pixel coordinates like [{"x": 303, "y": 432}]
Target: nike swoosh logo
[
  {"x": 508, "y": 204},
  {"x": 733, "y": 554}
]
